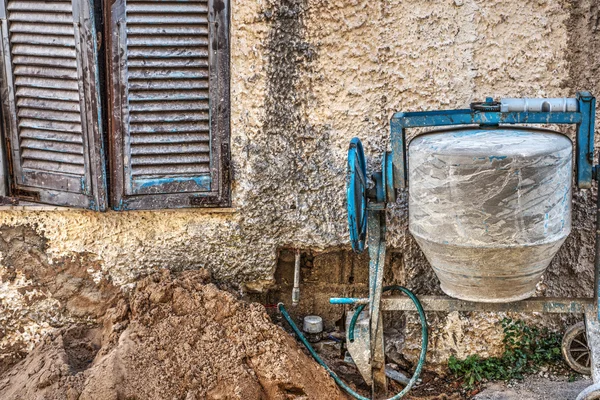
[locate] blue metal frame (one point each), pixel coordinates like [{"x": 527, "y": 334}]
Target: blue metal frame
[
  {"x": 363, "y": 212},
  {"x": 584, "y": 119}
]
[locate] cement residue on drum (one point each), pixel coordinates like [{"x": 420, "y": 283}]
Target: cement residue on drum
[{"x": 490, "y": 207}]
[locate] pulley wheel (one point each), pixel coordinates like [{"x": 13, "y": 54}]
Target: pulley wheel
[
  {"x": 575, "y": 349},
  {"x": 356, "y": 195}
]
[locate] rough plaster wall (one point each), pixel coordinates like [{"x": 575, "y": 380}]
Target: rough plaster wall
[
  {"x": 307, "y": 76},
  {"x": 415, "y": 55}
]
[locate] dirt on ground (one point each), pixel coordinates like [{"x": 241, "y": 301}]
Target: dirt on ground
[
  {"x": 181, "y": 337},
  {"x": 174, "y": 337}
]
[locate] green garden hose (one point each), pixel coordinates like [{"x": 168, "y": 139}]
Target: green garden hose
[
  {"x": 357, "y": 312},
  {"x": 336, "y": 378}
]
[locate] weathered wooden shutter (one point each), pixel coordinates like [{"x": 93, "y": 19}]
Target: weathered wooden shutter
[
  {"x": 51, "y": 106},
  {"x": 170, "y": 102}
]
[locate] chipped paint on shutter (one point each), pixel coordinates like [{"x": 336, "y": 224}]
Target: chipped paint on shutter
[
  {"x": 164, "y": 91},
  {"x": 168, "y": 99},
  {"x": 51, "y": 101}
]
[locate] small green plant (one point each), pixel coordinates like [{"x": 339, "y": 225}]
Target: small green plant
[
  {"x": 574, "y": 376},
  {"x": 526, "y": 349}
]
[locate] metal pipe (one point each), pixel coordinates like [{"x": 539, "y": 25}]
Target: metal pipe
[
  {"x": 296, "y": 289},
  {"x": 347, "y": 300},
  {"x": 563, "y": 104},
  {"x": 397, "y": 376}
]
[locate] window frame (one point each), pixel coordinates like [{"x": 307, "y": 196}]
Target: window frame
[
  {"x": 219, "y": 102},
  {"x": 12, "y": 191}
]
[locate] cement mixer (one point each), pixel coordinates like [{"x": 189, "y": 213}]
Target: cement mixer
[{"x": 489, "y": 204}]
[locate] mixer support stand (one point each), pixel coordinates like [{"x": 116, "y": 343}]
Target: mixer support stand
[
  {"x": 372, "y": 204},
  {"x": 377, "y": 247}
]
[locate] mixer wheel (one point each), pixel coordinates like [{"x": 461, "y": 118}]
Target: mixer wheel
[{"x": 575, "y": 349}]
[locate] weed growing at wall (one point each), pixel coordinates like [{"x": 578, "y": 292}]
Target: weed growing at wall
[{"x": 526, "y": 350}]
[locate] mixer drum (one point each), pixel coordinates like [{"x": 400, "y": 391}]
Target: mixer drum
[{"x": 490, "y": 207}]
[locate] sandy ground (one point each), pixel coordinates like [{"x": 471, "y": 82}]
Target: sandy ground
[
  {"x": 175, "y": 337},
  {"x": 181, "y": 337},
  {"x": 535, "y": 388}
]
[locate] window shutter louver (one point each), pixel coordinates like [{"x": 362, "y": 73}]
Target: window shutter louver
[
  {"x": 170, "y": 101},
  {"x": 51, "y": 108}
]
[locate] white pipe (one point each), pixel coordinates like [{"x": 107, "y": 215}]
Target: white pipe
[
  {"x": 563, "y": 104},
  {"x": 296, "y": 289}
]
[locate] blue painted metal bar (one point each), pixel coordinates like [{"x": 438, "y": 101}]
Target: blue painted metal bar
[
  {"x": 399, "y": 162},
  {"x": 468, "y": 117},
  {"x": 348, "y": 300},
  {"x": 387, "y": 171},
  {"x": 585, "y": 140}
]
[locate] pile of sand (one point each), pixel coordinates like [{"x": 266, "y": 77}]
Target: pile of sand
[{"x": 175, "y": 337}]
